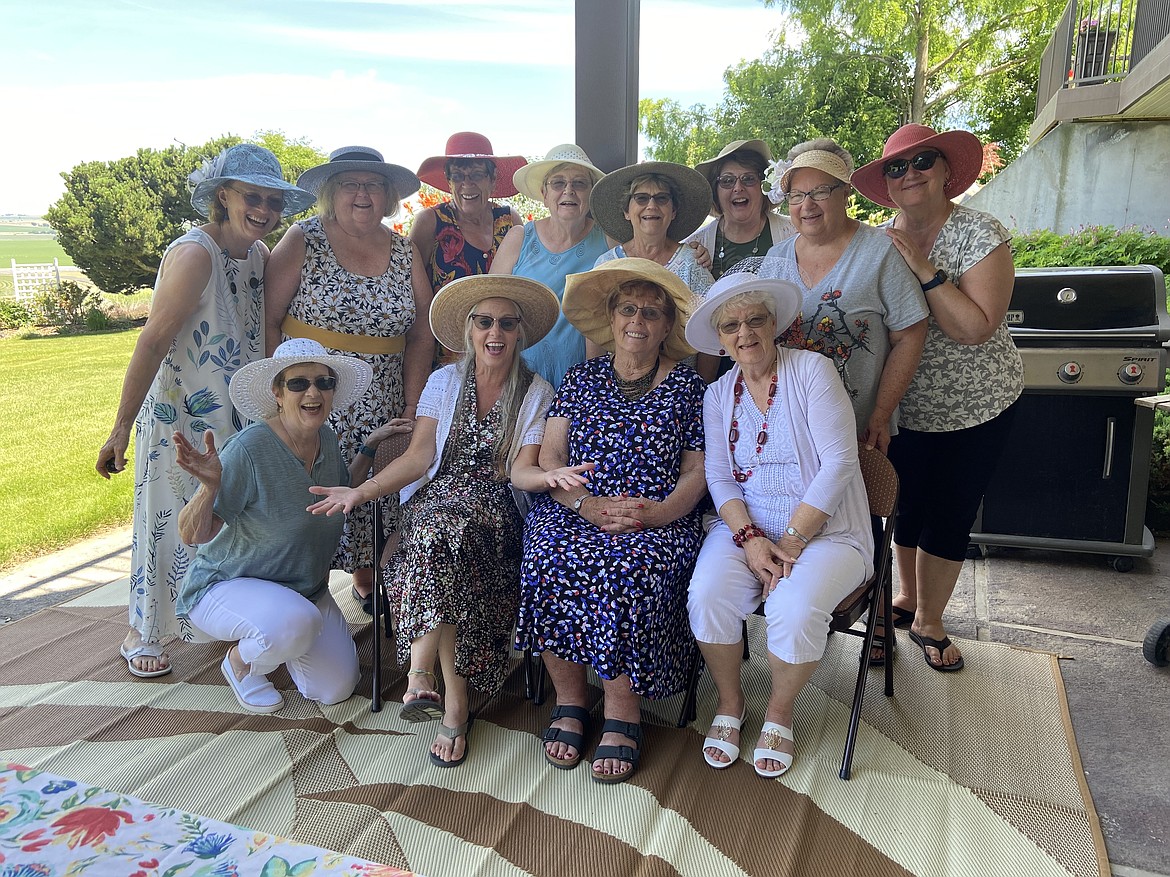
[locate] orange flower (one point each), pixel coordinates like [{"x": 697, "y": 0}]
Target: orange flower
[{"x": 90, "y": 825}]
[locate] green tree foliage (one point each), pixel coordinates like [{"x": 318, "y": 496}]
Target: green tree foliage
[{"x": 117, "y": 217}]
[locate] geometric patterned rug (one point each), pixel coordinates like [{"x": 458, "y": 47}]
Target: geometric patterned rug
[{"x": 958, "y": 775}]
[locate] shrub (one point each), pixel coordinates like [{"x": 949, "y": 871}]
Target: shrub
[
  {"x": 97, "y": 320},
  {"x": 68, "y": 304},
  {"x": 14, "y": 314}
]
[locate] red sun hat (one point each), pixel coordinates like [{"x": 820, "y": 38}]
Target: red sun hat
[
  {"x": 961, "y": 149},
  {"x": 469, "y": 146}
]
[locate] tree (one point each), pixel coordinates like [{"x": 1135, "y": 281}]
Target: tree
[{"x": 117, "y": 217}]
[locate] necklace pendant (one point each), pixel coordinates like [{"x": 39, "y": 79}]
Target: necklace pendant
[
  {"x": 762, "y": 439},
  {"x": 741, "y": 477}
]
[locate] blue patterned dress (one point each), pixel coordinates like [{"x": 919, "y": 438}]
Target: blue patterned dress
[
  {"x": 189, "y": 395},
  {"x": 617, "y": 602}
]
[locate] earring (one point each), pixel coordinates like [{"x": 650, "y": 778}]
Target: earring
[{"x": 722, "y": 352}]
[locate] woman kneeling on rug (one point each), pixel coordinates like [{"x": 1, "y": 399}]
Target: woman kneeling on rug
[
  {"x": 606, "y": 559},
  {"x": 454, "y": 581},
  {"x": 794, "y": 529},
  {"x": 260, "y": 577}
]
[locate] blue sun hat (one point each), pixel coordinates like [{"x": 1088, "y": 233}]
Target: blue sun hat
[{"x": 246, "y": 163}]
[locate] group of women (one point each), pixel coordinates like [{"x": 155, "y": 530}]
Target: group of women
[{"x": 553, "y": 480}]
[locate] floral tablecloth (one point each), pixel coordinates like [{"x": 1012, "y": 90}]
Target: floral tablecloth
[{"x": 55, "y": 827}]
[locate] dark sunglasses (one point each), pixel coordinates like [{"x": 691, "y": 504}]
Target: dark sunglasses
[
  {"x": 324, "y": 383},
  {"x": 458, "y": 177},
  {"x": 756, "y": 321},
  {"x": 275, "y": 203},
  {"x": 728, "y": 181},
  {"x": 650, "y": 313},
  {"x": 660, "y": 199},
  {"x": 923, "y": 161},
  {"x": 485, "y": 322}
]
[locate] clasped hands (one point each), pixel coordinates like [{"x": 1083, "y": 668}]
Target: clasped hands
[{"x": 771, "y": 561}]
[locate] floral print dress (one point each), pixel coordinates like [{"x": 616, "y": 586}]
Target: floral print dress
[
  {"x": 459, "y": 561},
  {"x": 617, "y": 602},
  {"x": 189, "y": 395},
  {"x": 330, "y": 297}
]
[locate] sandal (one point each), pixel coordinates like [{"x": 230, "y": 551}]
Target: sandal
[
  {"x": 725, "y": 725},
  {"x": 425, "y": 705},
  {"x": 903, "y": 617},
  {"x": 255, "y": 693},
  {"x": 144, "y": 650},
  {"x": 452, "y": 734},
  {"x": 625, "y": 754},
  {"x": 879, "y": 643},
  {"x": 367, "y": 602},
  {"x": 772, "y": 735},
  {"x": 925, "y": 642},
  {"x": 569, "y": 738}
]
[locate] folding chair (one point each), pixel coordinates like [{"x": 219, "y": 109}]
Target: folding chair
[{"x": 387, "y": 451}]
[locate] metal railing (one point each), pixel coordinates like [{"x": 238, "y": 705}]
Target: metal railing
[{"x": 1098, "y": 41}]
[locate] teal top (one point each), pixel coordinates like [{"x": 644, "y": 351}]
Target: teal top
[
  {"x": 266, "y": 533},
  {"x": 564, "y": 346}
]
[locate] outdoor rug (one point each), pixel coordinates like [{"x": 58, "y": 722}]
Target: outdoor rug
[{"x": 963, "y": 774}]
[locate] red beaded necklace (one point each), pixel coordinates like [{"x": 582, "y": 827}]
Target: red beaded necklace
[{"x": 761, "y": 437}]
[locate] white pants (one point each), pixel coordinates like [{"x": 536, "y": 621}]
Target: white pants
[
  {"x": 275, "y": 625},
  {"x": 724, "y": 592}
]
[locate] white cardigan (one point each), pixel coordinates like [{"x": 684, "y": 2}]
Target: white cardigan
[
  {"x": 438, "y": 400},
  {"x": 781, "y": 226}
]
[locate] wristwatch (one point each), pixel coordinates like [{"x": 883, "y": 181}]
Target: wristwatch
[
  {"x": 940, "y": 277},
  {"x": 792, "y": 531},
  {"x": 579, "y": 500}
]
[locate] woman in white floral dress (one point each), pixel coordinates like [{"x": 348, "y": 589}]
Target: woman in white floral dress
[
  {"x": 205, "y": 323},
  {"x": 346, "y": 280},
  {"x": 959, "y": 406}
]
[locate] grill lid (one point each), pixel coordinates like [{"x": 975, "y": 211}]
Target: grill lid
[{"x": 1129, "y": 297}]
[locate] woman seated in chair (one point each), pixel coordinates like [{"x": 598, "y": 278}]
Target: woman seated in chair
[
  {"x": 454, "y": 582},
  {"x": 794, "y": 528}
]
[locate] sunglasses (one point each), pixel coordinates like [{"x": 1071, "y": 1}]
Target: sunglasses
[
  {"x": 324, "y": 383},
  {"x": 559, "y": 185},
  {"x": 923, "y": 161},
  {"x": 757, "y": 321},
  {"x": 458, "y": 177},
  {"x": 352, "y": 187},
  {"x": 728, "y": 181},
  {"x": 485, "y": 322},
  {"x": 649, "y": 313},
  {"x": 660, "y": 199},
  {"x": 820, "y": 193},
  {"x": 275, "y": 203}
]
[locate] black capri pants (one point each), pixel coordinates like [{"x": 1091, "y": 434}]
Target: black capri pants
[{"x": 943, "y": 477}]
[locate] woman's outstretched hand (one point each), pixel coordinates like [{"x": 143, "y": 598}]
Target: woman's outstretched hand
[
  {"x": 205, "y": 467},
  {"x": 337, "y": 499}
]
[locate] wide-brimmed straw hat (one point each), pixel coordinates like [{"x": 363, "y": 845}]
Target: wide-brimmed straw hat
[
  {"x": 585, "y": 295},
  {"x": 245, "y": 163},
  {"x": 539, "y": 308},
  {"x": 251, "y": 386},
  {"x": 360, "y": 158},
  {"x": 708, "y": 165},
  {"x": 530, "y": 178},
  {"x": 823, "y": 160},
  {"x": 470, "y": 146},
  {"x": 743, "y": 277},
  {"x": 608, "y": 202},
  {"x": 961, "y": 149}
]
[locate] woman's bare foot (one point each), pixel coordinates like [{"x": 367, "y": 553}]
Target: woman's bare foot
[
  {"x": 150, "y": 659},
  {"x": 444, "y": 748}
]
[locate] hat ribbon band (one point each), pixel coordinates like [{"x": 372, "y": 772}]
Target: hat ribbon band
[
  {"x": 369, "y": 344},
  {"x": 355, "y": 156}
]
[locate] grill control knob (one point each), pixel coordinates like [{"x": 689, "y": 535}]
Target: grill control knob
[
  {"x": 1070, "y": 372},
  {"x": 1130, "y": 373}
]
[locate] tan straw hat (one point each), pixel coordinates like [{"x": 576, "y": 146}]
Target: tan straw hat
[
  {"x": 530, "y": 178},
  {"x": 539, "y": 308},
  {"x": 821, "y": 159},
  {"x": 608, "y": 202},
  {"x": 708, "y": 165},
  {"x": 251, "y": 387},
  {"x": 585, "y": 295}
]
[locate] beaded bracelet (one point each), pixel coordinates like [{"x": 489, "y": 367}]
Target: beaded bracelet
[{"x": 746, "y": 532}]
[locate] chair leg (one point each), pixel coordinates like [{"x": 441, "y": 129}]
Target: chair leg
[
  {"x": 538, "y": 694},
  {"x": 379, "y": 609},
  {"x": 688, "y": 712},
  {"x": 746, "y": 651},
  {"x": 527, "y": 661},
  {"x": 887, "y": 596}
]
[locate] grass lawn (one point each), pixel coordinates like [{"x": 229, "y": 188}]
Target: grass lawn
[
  {"x": 56, "y": 409},
  {"x": 30, "y": 250}
]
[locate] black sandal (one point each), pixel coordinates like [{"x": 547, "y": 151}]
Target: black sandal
[
  {"x": 569, "y": 738},
  {"x": 624, "y": 754}
]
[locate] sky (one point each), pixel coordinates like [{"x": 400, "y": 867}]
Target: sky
[{"x": 87, "y": 81}]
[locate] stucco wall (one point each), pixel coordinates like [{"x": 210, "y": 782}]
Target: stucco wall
[{"x": 1086, "y": 173}]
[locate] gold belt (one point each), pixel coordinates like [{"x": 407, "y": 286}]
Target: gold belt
[{"x": 294, "y": 328}]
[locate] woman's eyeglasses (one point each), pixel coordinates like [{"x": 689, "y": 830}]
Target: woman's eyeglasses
[
  {"x": 650, "y": 313},
  {"x": 660, "y": 199},
  {"x": 275, "y": 203},
  {"x": 324, "y": 383},
  {"x": 352, "y": 187},
  {"x": 820, "y": 193},
  {"x": 896, "y": 168},
  {"x": 728, "y": 181},
  {"x": 559, "y": 185},
  {"x": 458, "y": 177},
  {"x": 756, "y": 321},
  {"x": 485, "y": 322}
]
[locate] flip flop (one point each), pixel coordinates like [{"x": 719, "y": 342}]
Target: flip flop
[
  {"x": 625, "y": 754},
  {"x": 772, "y": 734},
  {"x": 367, "y": 602},
  {"x": 925, "y": 642},
  {"x": 569, "y": 738},
  {"x": 422, "y": 707},
  {"x": 255, "y": 693},
  {"x": 452, "y": 734},
  {"x": 878, "y": 643},
  {"x": 903, "y": 617},
  {"x": 144, "y": 650},
  {"x": 725, "y": 724}
]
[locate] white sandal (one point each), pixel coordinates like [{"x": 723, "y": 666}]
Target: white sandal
[
  {"x": 772, "y": 735},
  {"x": 255, "y": 693},
  {"x": 144, "y": 650},
  {"x": 724, "y": 725}
]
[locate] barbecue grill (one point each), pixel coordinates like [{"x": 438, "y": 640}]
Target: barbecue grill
[{"x": 1075, "y": 472}]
